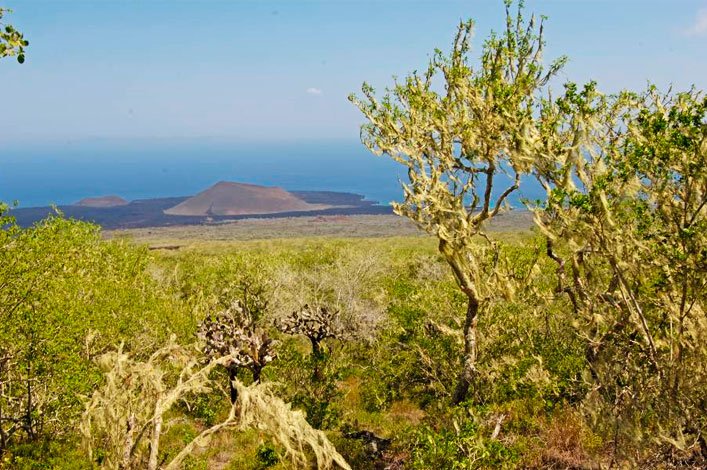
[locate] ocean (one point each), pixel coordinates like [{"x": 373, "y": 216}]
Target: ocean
[{"x": 40, "y": 175}]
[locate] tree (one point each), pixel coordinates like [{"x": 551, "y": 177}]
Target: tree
[
  {"x": 12, "y": 42},
  {"x": 316, "y": 325},
  {"x": 233, "y": 332},
  {"x": 465, "y": 146},
  {"x": 126, "y": 418},
  {"x": 65, "y": 296},
  {"x": 626, "y": 223}
]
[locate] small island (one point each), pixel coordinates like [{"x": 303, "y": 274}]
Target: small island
[
  {"x": 223, "y": 202},
  {"x": 227, "y": 198},
  {"x": 102, "y": 201}
]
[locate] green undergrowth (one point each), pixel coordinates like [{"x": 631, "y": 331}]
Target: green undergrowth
[{"x": 393, "y": 378}]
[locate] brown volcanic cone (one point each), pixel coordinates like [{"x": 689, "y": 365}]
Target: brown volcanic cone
[
  {"x": 102, "y": 201},
  {"x": 226, "y": 198}
]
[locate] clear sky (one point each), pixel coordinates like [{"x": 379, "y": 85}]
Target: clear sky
[{"x": 264, "y": 70}]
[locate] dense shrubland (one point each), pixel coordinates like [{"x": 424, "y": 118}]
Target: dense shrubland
[
  {"x": 67, "y": 297},
  {"x": 536, "y": 400},
  {"x": 580, "y": 345}
]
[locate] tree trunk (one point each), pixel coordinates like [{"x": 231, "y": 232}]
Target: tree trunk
[
  {"x": 468, "y": 373},
  {"x": 463, "y": 275},
  {"x": 129, "y": 441},
  {"x": 155, "y": 441},
  {"x": 232, "y": 388},
  {"x": 317, "y": 356},
  {"x": 29, "y": 428}
]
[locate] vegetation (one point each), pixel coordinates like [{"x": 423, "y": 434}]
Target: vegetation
[
  {"x": 12, "y": 42},
  {"x": 630, "y": 229},
  {"x": 457, "y": 144},
  {"x": 582, "y": 343}
]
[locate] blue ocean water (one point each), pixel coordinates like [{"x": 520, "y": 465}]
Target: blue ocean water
[{"x": 39, "y": 175}]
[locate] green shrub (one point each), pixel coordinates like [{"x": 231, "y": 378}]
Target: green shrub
[
  {"x": 463, "y": 446},
  {"x": 267, "y": 456}
]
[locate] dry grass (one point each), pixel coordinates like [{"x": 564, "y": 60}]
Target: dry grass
[
  {"x": 354, "y": 226},
  {"x": 407, "y": 412},
  {"x": 567, "y": 443}
]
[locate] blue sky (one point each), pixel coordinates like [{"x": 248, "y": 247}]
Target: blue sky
[{"x": 262, "y": 70}]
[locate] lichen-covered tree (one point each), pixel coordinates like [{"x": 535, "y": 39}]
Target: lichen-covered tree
[
  {"x": 626, "y": 222},
  {"x": 465, "y": 135},
  {"x": 233, "y": 332},
  {"x": 12, "y": 42},
  {"x": 127, "y": 416},
  {"x": 316, "y": 324}
]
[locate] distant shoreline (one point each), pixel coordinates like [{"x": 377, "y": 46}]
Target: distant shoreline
[{"x": 144, "y": 213}]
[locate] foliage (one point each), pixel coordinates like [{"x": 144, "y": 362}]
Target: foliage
[
  {"x": 267, "y": 456},
  {"x": 211, "y": 283},
  {"x": 125, "y": 419},
  {"x": 459, "y": 145},
  {"x": 462, "y": 447},
  {"x": 396, "y": 384},
  {"x": 65, "y": 296},
  {"x": 626, "y": 221},
  {"x": 312, "y": 383},
  {"x": 12, "y": 42}
]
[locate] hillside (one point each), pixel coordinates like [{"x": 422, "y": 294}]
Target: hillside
[
  {"x": 102, "y": 201},
  {"x": 229, "y": 198}
]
